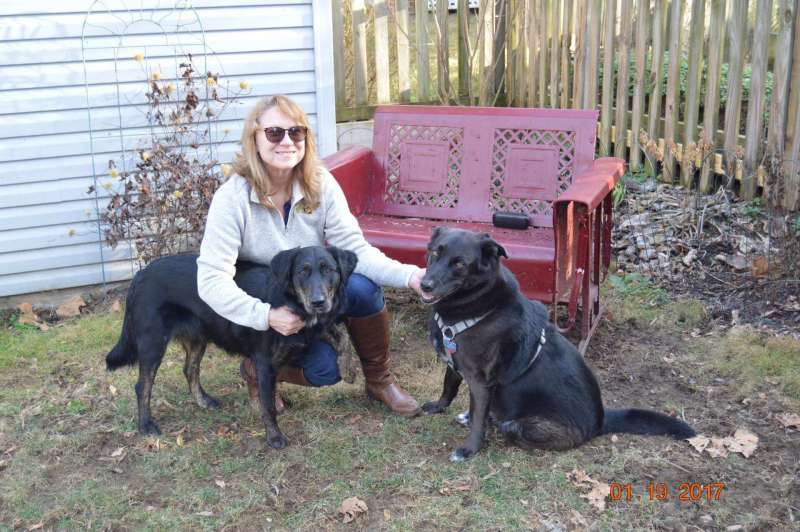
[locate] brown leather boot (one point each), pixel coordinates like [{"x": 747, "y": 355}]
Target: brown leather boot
[
  {"x": 370, "y": 337},
  {"x": 291, "y": 375}
]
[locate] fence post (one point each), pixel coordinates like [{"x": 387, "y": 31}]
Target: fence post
[
  {"x": 442, "y": 53},
  {"x": 553, "y": 34},
  {"x": 711, "y": 102},
  {"x": 754, "y": 134},
  {"x": 499, "y": 46},
  {"x": 623, "y": 79}
]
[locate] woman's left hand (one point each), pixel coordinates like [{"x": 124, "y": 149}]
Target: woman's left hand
[{"x": 415, "y": 280}]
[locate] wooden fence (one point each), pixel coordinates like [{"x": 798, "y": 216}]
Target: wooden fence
[{"x": 737, "y": 75}]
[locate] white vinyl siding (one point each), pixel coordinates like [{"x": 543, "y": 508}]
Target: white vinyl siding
[{"x": 49, "y": 236}]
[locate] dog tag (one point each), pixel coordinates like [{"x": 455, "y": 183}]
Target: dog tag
[{"x": 450, "y": 346}]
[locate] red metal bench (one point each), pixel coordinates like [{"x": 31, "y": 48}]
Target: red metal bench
[{"x": 456, "y": 166}]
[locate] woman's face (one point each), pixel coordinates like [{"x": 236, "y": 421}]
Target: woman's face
[{"x": 280, "y": 158}]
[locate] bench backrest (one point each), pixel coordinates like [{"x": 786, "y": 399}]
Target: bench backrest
[{"x": 465, "y": 163}]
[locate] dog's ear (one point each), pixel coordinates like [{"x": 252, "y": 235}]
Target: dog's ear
[
  {"x": 437, "y": 231},
  {"x": 346, "y": 260},
  {"x": 281, "y": 267},
  {"x": 491, "y": 251}
]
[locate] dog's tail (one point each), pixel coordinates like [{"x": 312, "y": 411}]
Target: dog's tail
[
  {"x": 635, "y": 421},
  {"x": 124, "y": 353}
]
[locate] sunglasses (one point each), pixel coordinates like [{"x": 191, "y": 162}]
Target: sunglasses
[{"x": 276, "y": 134}]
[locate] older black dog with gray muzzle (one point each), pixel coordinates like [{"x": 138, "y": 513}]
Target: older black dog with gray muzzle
[
  {"x": 521, "y": 372},
  {"x": 163, "y": 303}
]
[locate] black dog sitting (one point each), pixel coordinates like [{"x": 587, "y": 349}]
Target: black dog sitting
[
  {"x": 163, "y": 304},
  {"x": 521, "y": 372}
]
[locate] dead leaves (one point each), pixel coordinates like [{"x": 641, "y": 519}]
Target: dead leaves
[
  {"x": 598, "y": 492},
  {"x": 71, "y": 308},
  {"x": 743, "y": 441},
  {"x": 28, "y": 317},
  {"x": 351, "y": 508},
  {"x": 789, "y": 421}
]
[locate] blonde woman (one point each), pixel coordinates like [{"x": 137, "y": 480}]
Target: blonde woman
[{"x": 280, "y": 198}]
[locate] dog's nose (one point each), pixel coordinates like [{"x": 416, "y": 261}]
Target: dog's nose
[
  {"x": 426, "y": 286},
  {"x": 318, "y": 302}
]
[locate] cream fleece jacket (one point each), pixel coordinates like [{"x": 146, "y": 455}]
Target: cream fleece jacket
[{"x": 240, "y": 227}]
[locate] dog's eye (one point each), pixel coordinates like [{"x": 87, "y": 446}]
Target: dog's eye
[
  {"x": 323, "y": 267},
  {"x": 306, "y": 270},
  {"x": 459, "y": 265},
  {"x": 433, "y": 254}
]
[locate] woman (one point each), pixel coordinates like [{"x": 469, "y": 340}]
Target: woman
[{"x": 281, "y": 198}]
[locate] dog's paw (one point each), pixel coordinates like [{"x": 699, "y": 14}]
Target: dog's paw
[
  {"x": 277, "y": 441},
  {"x": 208, "y": 402},
  {"x": 432, "y": 407},
  {"x": 149, "y": 428},
  {"x": 463, "y": 418},
  {"x": 461, "y": 454}
]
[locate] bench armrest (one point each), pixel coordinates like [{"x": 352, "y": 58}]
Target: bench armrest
[
  {"x": 593, "y": 185},
  {"x": 352, "y": 167}
]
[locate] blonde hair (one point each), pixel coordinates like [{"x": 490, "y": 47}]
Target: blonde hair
[{"x": 248, "y": 164}]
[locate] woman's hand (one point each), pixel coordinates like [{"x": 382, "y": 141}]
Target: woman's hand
[
  {"x": 284, "y": 321},
  {"x": 415, "y": 280}
]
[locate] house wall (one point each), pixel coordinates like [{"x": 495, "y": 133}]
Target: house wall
[{"x": 69, "y": 106}]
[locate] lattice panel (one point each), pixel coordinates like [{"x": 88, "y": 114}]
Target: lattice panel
[
  {"x": 398, "y": 190},
  {"x": 504, "y": 142}
]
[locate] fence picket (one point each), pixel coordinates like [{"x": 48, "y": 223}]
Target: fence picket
[
  {"x": 623, "y": 78},
  {"x": 381, "y": 14},
  {"x": 780, "y": 94},
  {"x": 737, "y": 32},
  {"x": 403, "y": 65},
  {"x": 566, "y": 42},
  {"x": 360, "y": 52},
  {"x": 754, "y": 133},
  {"x": 594, "y": 22},
  {"x": 673, "y": 83},
  {"x": 338, "y": 51},
  {"x": 656, "y": 77},
  {"x": 711, "y": 102},
  {"x": 642, "y": 18},
  {"x": 423, "y": 55},
  {"x": 692, "y": 103},
  {"x": 609, "y": 25}
]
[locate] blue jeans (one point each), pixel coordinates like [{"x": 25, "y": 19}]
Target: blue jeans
[{"x": 362, "y": 298}]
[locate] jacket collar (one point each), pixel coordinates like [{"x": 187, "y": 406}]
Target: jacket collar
[{"x": 297, "y": 193}]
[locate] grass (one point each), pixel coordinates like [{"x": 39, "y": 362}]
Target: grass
[{"x": 69, "y": 457}]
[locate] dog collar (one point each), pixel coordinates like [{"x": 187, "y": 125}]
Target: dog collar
[{"x": 449, "y": 333}]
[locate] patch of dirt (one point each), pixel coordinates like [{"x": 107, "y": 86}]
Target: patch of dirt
[{"x": 740, "y": 258}]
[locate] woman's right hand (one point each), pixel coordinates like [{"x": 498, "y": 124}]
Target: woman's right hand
[{"x": 284, "y": 321}]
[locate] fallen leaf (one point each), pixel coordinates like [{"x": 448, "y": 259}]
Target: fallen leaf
[
  {"x": 387, "y": 515},
  {"x": 118, "y": 452},
  {"x": 37, "y": 526},
  {"x": 789, "y": 420},
  {"x": 743, "y": 441},
  {"x": 116, "y": 306},
  {"x": 717, "y": 448},
  {"x": 579, "y": 477},
  {"x": 699, "y": 442},
  {"x": 220, "y": 483},
  {"x": 26, "y": 314},
  {"x": 179, "y": 443},
  {"x": 597, "y": 496},
  {"x": 205, "y": 514},
  {"x": 112, "y": 390},
  {"x": 71, "y": 308},
  {"x": 760, "y": 266},
  {"x": 351, "y": 508}
]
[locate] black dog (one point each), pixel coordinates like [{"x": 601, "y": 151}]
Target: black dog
[
  {"x": 521, "y": 372},
  {"x": 163, "y": 303}
]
